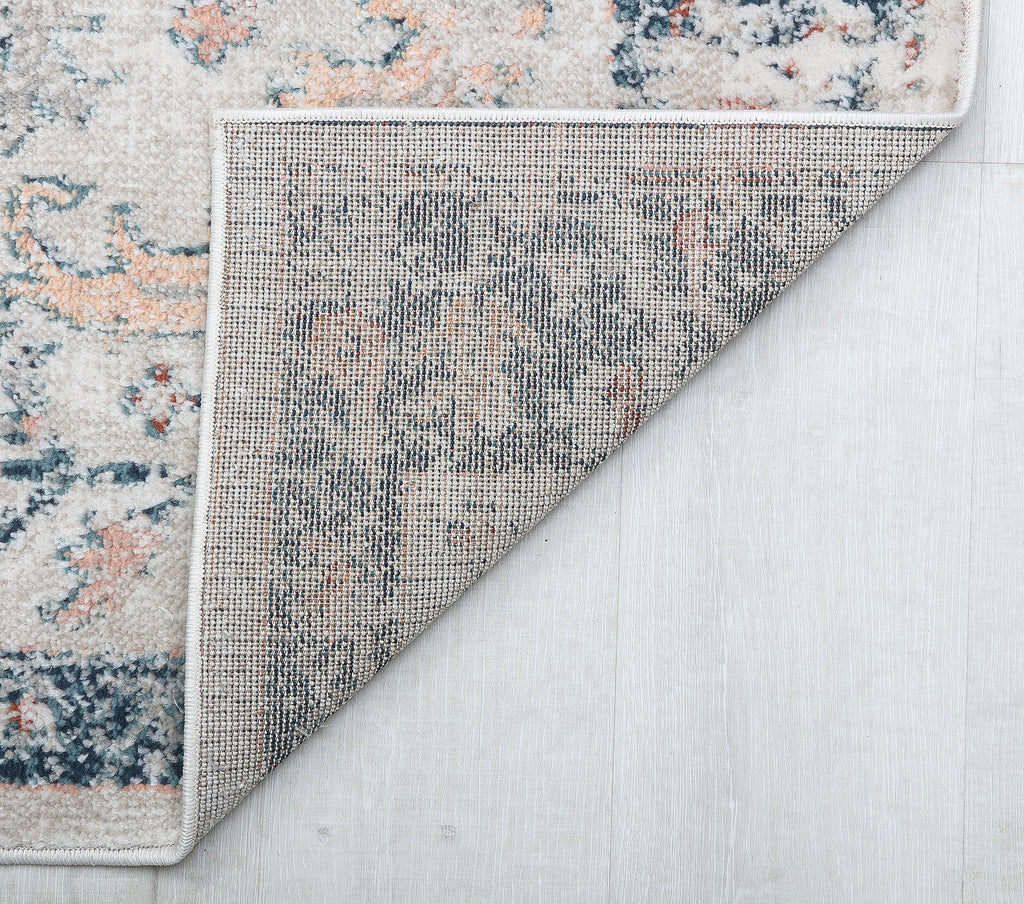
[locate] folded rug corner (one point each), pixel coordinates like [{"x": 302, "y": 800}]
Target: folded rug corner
[{"x": 449, "y": 272}]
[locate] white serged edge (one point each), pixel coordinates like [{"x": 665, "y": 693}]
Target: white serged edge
[{"x": 172, "y": 853}]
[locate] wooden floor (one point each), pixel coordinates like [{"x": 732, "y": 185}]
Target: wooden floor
[{"x": 772, "y": 652}]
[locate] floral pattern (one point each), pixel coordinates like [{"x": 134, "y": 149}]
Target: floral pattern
[
  {"x": 207, "y": 31},
  {"x": 161, "y": 400},
  {"x": 139, "y": 288},
  {"x": 757, "y": 54},
  {"x": 414, "y": 65},
  {"x": 106, "y": 559}
]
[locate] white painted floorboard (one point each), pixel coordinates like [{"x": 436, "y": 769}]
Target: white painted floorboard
[
  {"x": 773, "y": 651},
  {"x": 790, "y": 700},
  {"x": 994, "y": 839}
]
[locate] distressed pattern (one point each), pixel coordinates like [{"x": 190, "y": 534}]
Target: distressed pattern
[
  {"x": 104, "y": 111},
  {"x": 108, "y": 719},
  {"x": 414, "y": 53},
  {"x": 466, "y": 318},
  {"x": 52, "y": 308},
  {"x": 208, "y": 30},
  {"x": 793, "y": 54},
  {"x": 42, "y": 79}
]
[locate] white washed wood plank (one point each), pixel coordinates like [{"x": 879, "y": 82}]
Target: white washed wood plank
[
  {"x": 76, "y": 885},
  {"x": 1004, "y": 139},
  {"x": 995, "y": 704},
  {"x": 794, "y": 581}
]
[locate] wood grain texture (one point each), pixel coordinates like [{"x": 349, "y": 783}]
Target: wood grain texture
[
  {"x": 772, "y": 651},
  {"x": 994, "y": 842},
  {"x": 827, "y": 503},
  {"x": 1004, "y": 86},
  {"x": 43, "y": 884}
]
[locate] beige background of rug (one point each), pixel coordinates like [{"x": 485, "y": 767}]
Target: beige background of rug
[{"x": 864, "y": 752}]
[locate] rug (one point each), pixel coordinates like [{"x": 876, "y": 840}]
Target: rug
[{"x": 428, "y": 318}]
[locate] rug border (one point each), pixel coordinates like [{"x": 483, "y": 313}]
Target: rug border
[
  {"x": 163, "y": 855},
  {"x": 967, "y": 80}
]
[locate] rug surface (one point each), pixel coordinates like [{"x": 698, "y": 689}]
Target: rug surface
[{"x": 424, "y": 329}]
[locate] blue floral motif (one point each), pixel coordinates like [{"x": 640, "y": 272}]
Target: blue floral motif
[{"x": 85, "y": 721}]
